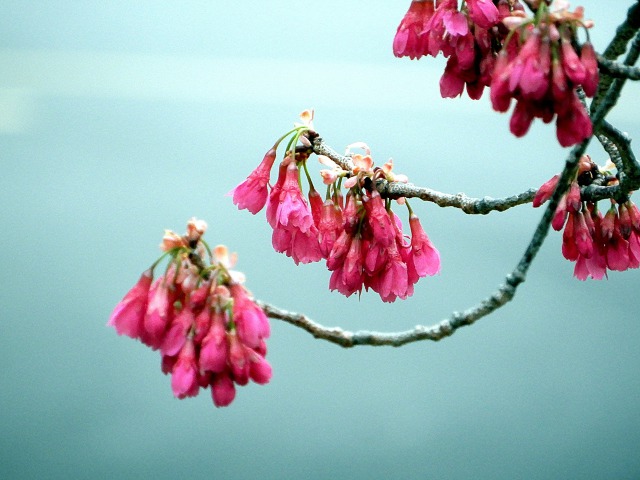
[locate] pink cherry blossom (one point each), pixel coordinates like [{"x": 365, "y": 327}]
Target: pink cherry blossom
[
  {"x": 223, "y": 390},
  {"x": 424, "y": 255},
  {"x": 184, "y": 381},
  {"x": 483, "y": 13},
  {"x": 252, "y": 193},
  {"x": 250, "y": 320},
  {"x": 128, "y": 316},
  {"x": 159, "y": 312},
  {"x": 410, "y": 40},
  {"x": 214, "y": 349}
]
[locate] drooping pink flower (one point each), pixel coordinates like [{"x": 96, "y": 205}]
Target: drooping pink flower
[
  {"x": 294, "y": 231},
  {"x": 522, "y": 117},
  {"x": 214, "y": 350},
  {"x": 159, "y": 312},
  {"x": 293, "y": 210},
  {"x": 223, "y": 390},
  {"x": 393, "y": 280},
  {"x": 410, "y": 39},
  {"x": 252, "y": 193},
  {"x": 251, "y": 322},
  {"x": 184, "y": 381},
  {"x": 573, "y": 67},
  {"x": 378, "y": 219},
  {"x": 617, "y": 252},
  {"x": 545, "y": 191},
  {"x": 483, "y": 13},
  {"x": 176, "y": 335},
  {"x": 273, "y": 201},
  {"x": 128, "y": 316},
  {"x": 573, "y": 124},
  {"x": 237, "y": 359},
  {"x": 330, "y": 226},
  {"x": 346, "y": 266},
  {"x": 583, "y": 239},
  {"x": 591, "y": 78},
  {"x": 424, "y": 255},
  {"x": 259, "y": 369}
]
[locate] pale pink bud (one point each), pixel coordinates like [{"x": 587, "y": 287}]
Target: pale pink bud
[
  {"x": 195, "y": 229},
  {"x": 329, "y": 176},
  {"x": 171, "y": 240}
]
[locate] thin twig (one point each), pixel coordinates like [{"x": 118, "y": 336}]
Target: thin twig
[
  {"x": 477, "y": 206},
  {"x": 618, "y": 45},
  {"x": 615, "y": 69}
]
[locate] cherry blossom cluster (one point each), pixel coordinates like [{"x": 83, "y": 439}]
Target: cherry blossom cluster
[
  {"x": 357, "y": 233},
  {"x": 200, "y": 317},
  {"x": 466, "y": 36},
  {"x": 535, "y": 61},
  {"x": 594, "y": 241}
]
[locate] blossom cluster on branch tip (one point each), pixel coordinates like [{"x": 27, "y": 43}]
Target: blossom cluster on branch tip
[
  {"x": 534, "y": 60},
  {"x": 209, "y": 331},
  {"x": 357, "y": 233},
  {"x": 594, "y": 241}
]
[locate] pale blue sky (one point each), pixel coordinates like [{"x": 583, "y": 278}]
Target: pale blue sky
[{"x": 119, "y": 119}]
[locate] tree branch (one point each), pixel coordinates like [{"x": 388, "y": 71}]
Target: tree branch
[
  {"x": 618, "y": 45},
  {"x": 477, "y": 206},
  {"x": 445, "y": 328},
  {"x": 505, "y": 292},
  {"x": 618, "y": 70}
]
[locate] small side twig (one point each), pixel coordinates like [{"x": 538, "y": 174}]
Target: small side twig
[
  {"x": 618, "y": 70},
  {"x": 470, "y": 205}
]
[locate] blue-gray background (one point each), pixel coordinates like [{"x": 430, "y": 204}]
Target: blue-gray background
[{"x": 119, "y": 119}]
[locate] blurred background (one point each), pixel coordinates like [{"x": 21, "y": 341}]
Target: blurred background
[{"x": 119, "y": 119}]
